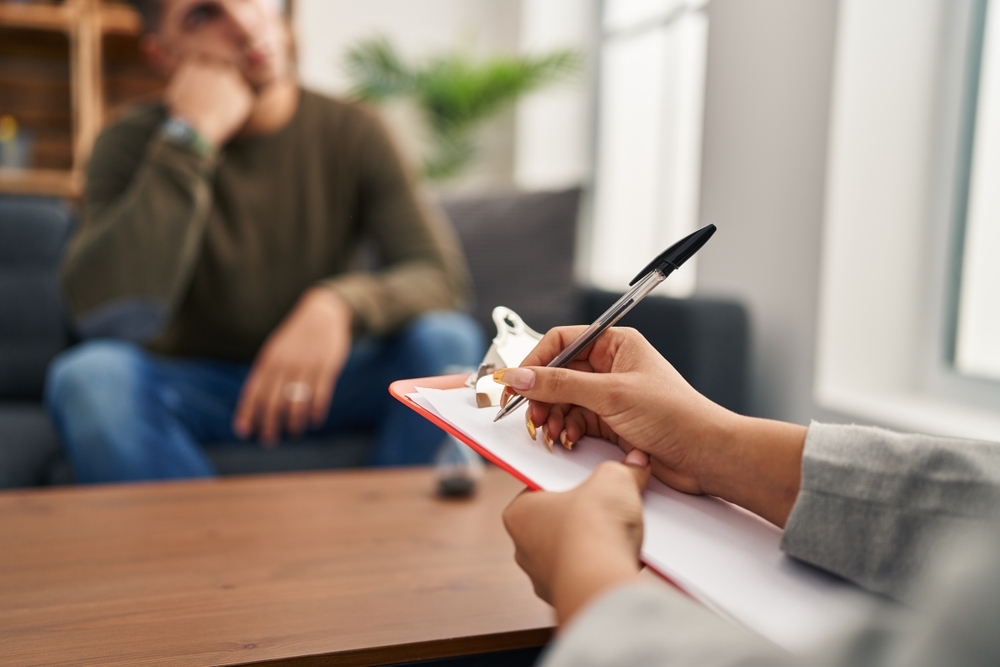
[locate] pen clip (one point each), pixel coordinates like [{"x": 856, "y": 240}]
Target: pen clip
[{"x": 673, "y": 257}]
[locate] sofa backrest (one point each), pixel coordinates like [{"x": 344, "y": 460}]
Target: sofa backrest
[
  {"x": 706, "y": 339},
  {"x": 33, "y": 325},
  {"x": 520, "y": 247}
]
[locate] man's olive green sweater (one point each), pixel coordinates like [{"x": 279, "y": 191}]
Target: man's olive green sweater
[{"x": 203, "y": 255}]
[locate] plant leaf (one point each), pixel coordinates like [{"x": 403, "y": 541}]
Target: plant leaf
[
  {"x": 454, "y": 93},
  {"x": 377, "y": 71}
]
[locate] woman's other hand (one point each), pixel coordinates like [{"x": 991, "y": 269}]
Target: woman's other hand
[{"x": 578, "y": 544}]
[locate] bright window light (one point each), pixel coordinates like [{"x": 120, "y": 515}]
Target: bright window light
[
  {"x": 629, "y": 14},
  {"x": 651, "y": 91}
]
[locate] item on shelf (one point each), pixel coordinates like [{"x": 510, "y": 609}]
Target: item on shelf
[{"x": 15, "y": 144}]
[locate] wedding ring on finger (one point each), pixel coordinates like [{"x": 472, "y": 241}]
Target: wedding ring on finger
[{"x": 297, "y": 392}]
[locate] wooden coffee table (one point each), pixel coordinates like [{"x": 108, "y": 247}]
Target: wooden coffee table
[{"x": 339, "y": 568}]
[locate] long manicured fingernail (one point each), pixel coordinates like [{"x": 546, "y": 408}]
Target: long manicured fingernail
[
  {"x": 521, "y": 379},
  {"x": 549, "y": 442},
  {"x": 532, "y": 431},
  {"x": 637, "y": 458},
  {"x": 504, "y": 397},
  {"x": 564, "y": 439}
]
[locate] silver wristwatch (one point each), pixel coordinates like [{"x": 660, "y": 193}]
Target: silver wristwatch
[{"x": 179, "y": 132}]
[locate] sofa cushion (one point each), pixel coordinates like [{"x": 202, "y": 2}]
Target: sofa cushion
[
  {"x": 520, "y": 248},
  {"x": 33, "y": 327},
  {"x": 348, "y": 450}
]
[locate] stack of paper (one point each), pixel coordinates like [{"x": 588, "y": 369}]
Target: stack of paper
[{"x": 722, "y": 555}]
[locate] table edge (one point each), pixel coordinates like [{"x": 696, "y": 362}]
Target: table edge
[{"x": 412, "y": 652}]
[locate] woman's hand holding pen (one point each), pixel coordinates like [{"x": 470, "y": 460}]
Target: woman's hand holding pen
[
  {"x": 579, "y": 544},
  {"x": 622, "y": 390}
]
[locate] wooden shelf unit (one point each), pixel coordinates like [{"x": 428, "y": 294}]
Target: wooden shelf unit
[{"x": 64, "y": 68}]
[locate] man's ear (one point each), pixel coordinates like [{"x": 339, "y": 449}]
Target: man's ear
[{"x": 156, "y": 55}]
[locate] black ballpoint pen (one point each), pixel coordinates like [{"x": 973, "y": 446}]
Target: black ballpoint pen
[{"x": 651, "y": 276}]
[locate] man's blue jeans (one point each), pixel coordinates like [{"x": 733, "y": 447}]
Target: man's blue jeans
[{"x": 125, "y": 414}]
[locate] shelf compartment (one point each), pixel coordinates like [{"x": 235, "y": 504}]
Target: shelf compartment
[
  {"x": 56, "y": 182},
  {"x": 114, "y": 17},
  {"x": 37, "y": 16}
]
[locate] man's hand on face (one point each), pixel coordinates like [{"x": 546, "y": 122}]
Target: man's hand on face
[
  {"x": 292, "y": 379},
  {"x": 212, "y": 96}
]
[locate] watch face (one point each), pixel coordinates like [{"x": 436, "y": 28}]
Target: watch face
[{"x": 178, "y": 131}]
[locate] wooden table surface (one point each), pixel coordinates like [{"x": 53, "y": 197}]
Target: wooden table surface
[{"x": 339, "y": 568}]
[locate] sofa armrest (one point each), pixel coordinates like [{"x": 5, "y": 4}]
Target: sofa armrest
[
  {"x": 705, "y": 339},
  {"x": 33, "y": 324}
]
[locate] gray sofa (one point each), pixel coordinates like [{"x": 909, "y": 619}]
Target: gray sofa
[{"x": 706, "y": 339}]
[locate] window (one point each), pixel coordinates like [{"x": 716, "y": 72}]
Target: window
[
  {"x": 898, "y": 186},
  {"x": 648, "y": 153},
  {"x": 977, "y": 340}
]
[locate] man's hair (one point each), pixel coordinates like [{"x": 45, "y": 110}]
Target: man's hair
[{"x": 150, "y": 11}]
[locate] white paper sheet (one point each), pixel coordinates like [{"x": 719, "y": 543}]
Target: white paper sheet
[{"x": 722, "y": 555}]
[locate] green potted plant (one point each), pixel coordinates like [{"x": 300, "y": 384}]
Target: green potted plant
[{"x": 453, "y": 93}]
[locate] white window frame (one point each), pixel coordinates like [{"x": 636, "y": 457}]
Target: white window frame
[
  {"x": 614, "y": 246},
  {"x": 886, "y": 318},
  {"x": 977, "y": 335}
]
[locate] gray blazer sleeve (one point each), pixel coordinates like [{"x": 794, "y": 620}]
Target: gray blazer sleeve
[
  {"x": 873, "y": 501},
  {"x": 642, "y": 625},
  {"x": 646, "y": 625},
  {"x": 874, "y": 506}
]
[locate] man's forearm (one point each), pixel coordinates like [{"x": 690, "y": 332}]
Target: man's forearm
[
  {"x": 382, "y": 302},
  {"x": 135, "y": 251}
]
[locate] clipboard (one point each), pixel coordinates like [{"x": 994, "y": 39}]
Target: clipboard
[
  {"x": 722, "y": 556},
  {"x": 401, "y": 389}
]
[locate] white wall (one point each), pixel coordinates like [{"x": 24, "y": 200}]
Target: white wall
[
  {"x": 327, "y": 28},
  {"x": 555, "y": 126},
  {"x": 765, "y": 135}
]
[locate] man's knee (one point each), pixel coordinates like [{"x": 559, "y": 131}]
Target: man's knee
[
  {"x": 448, "y": 338},
  {"x": 91, "y": 371}
]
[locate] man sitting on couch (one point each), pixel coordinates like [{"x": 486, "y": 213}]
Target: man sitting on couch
[{"x": 214, "y": 274}]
